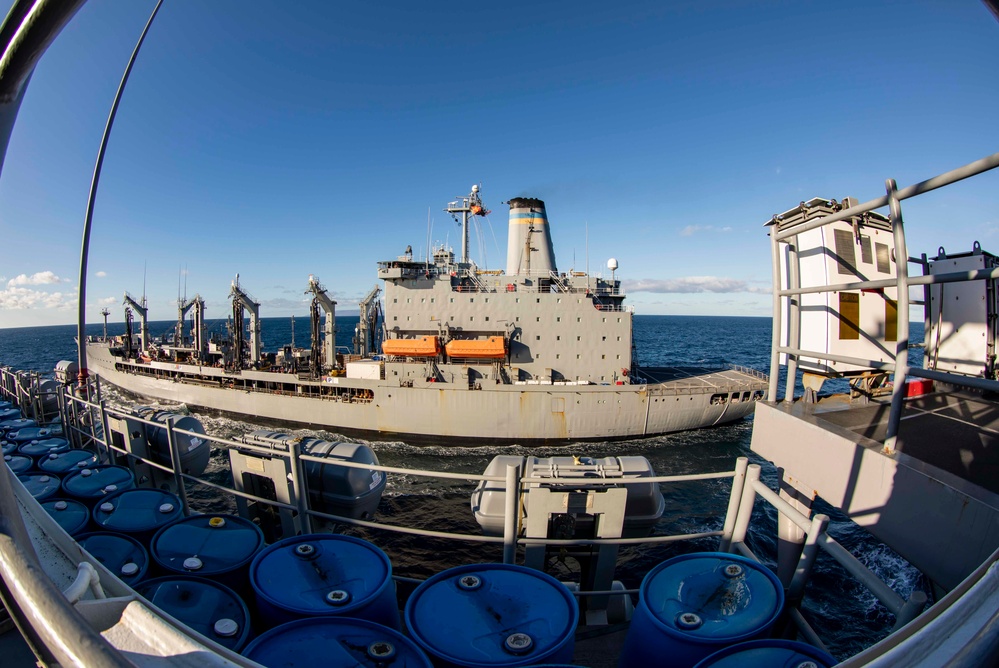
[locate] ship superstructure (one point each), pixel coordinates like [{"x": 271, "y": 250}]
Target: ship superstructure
[{"x": 528, "y": 324}]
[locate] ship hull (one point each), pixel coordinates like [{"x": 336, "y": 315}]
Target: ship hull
[{"x": 447, "y": 412}]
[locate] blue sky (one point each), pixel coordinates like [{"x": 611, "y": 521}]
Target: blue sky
[{"x": 277, "y": 140}]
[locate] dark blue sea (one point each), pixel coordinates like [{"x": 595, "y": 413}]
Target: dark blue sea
[{"x": 846, "y": 616}]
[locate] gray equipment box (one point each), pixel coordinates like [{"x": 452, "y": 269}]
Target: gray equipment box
[
  {"x": 644, "y": 504},
  {"x": 336, "y": 490}
]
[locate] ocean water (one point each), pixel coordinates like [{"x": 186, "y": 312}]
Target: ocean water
[{"x": 845, "y": 614}]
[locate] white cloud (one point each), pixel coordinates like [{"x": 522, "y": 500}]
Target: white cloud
[
  {"x": 101, "y": 274},
  {"x": 40, "y": 278},
  {"x": 25, "y": 298},
  {"x": 690, "y": 230},
  {"x": 107, "y": 301},
  {"x": 690, "y": 284}
]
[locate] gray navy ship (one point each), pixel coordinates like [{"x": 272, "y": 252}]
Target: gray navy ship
[{"x": 457, "y": 353}]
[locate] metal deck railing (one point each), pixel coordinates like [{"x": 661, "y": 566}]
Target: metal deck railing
[{"x": 87, "y": 423}]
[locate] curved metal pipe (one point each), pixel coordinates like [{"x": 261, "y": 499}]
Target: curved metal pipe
[{"x": 81, "y": 325}]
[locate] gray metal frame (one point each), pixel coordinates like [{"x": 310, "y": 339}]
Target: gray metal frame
[{"x": 900, "y": 367}]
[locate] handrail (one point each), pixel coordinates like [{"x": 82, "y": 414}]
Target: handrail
[
  {"x": 815, "y": 535},
  {"x": 745, "y": 488},
  {"x": 947, "y": 178}
]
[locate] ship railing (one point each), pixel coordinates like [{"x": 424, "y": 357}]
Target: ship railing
[
  {"x": 787, "y": 298},
  {"x": 559, "y": 282},
  {"x": 746, "y": 488},
  {"x": 24, "y": 388},
  {"x": 748, "y": 370},
  {"x": 814, "y": 529}
]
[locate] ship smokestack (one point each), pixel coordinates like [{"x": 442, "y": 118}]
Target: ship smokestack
[{"x": 529, "y": 249}]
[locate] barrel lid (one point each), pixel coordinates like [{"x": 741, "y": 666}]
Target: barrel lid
[
  {"x": 210, "y": 608},
  {"x": 97, "y": 481},
  {"x": 71, "y": 515},
  {"x": 8, "y": 447},
  {"x": 40, "y": 485},
  {"x": 712, "y": 597},
  {"x": 767, "y": 654},
  {"x": 320, "y": 574},
  {"x": 37, "y": 448},
  {"x": 339, "y": 641},
  {"x": 138, "y": 510},
  {"x": 19, "y": 463},
  {"x": 498, "y": 615},
  {"x": 64, "y": 462},
  {"x": 219, "y": 547},
  {"x": 48, "y": 431},
  {"x": 122, "y": 555},
  {"x": 16, "y": 424}
]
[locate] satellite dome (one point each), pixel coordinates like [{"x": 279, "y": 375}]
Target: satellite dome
[{"x": 612, "y": 264}]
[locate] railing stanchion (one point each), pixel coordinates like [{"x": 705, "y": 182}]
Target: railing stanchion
[
  {"x": 105, "y": 428},
  {"x": 746, "y": 505},
  {"x": 902, "y": 321},
  {"x": 807, "y": 559},
  {"x": 913, "y": 606},
  {"x": 175, "y": 465},
  {"x": 777, "y": 322},
  {"x": 301, "y": 493},
  {"x": 511, "y": 514},
  {"x": 734, "y": 499}
]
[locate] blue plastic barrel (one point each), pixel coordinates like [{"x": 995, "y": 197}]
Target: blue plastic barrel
[
  {"x": 122, "y": 555},
  {"x": 4, "y": 405},
  {"x": 8, "y": 447},
  {"x": 768, "y": 654},
  {"x": 37, "y": 449},
  {"x": 42, "y": 486},
  {"x": 13, "y": 421},
  {"x": 36, "y": 433},
  {"x": 19, "y": 463},
  {"x": 64, "y": 463},
  {"x": 489, "y": 615},
  {"x": 219, "y": 547},
  {"x": 71, "y": 515},
  {"x": 335, "y": 642},
  {"x": 324, "y": 575},
  {"x": 693, "y": 605},
  {"x": 211, "y": 609},
  {"x": 139, "y": 513},
  {"x": 90, "y": 485}
]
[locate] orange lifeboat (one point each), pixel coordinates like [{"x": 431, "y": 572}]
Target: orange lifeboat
[
  {"x": 492, "y": 348},
  {"x": 425, "y": 346}
]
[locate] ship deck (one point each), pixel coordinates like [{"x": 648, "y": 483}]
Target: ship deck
[
  {"x": 701, "y": 377},
  {"x": 957, "y": 432}
]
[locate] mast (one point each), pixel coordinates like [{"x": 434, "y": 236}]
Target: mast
[{"x": 471, "y": 204}]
